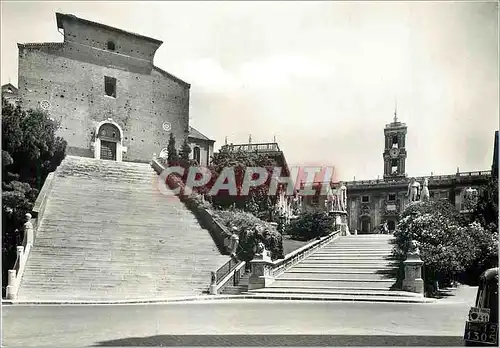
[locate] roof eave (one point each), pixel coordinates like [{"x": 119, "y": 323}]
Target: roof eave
[
  {"x": 61, "y": 16},
  {"x": 175, "y": 78},
  {"x": 199, "y": 138}
]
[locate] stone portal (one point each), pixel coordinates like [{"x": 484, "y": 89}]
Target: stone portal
[{"x": 108, "y": 141}]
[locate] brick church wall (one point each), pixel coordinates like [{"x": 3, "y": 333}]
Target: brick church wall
[{"x": 71, "y": 75}]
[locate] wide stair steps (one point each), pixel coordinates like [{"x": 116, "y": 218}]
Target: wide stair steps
[
  {"x": 109, "y": 234},
  {"x": 349, "y": 268}
]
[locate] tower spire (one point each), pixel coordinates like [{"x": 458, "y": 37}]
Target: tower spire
[{"x": 395, "y": 111}]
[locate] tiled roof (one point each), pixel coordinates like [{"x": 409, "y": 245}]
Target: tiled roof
[
  {"x": 193, "y": 133},
  {"x": 8, "y": 86}
]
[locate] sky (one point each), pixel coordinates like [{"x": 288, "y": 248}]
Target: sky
[{"x": 321, "y": 77}]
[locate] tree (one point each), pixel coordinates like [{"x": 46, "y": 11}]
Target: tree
[
  {"x": 184, "y": 159},
  {"x": 257, "y": 199},
  {"x": 486, "y": 209},
  {"x": 29, "y": 138},
  {"x": 484, "y": 231},
  {"x": 311, "y": 225},
  {"x": 251, "y": 230},
  {"x": 448, "y": 243},
  {"x": 185, "y": 151},
  {"x": 172, "y": 157},
  {"x": 30, "y": 151}
]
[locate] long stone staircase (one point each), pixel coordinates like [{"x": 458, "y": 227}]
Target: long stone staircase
[
  {"x": 109, "y": 234},
  {"x": 348, "y": 268}
]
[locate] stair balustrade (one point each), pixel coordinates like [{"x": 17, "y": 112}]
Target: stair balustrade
[
  {"x": 265, "y": 271},
  {"x": 30, "y": 227},
  {"x": 231, "y": 276}
]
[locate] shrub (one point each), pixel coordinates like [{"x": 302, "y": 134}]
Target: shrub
[
  {"x": 251, "y": 230},
  {"x": 311, "y": 225},
  {"x": 448, "y": 243}
]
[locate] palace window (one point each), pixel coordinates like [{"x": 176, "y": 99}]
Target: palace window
[
  {"x": 365, "y": 199},
  {"x": 392, "y": 197},
  {"x": 110, "y": 86},
  {"x": 111, "y": 45}
]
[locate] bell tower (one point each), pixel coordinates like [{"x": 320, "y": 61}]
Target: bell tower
[{"x": 395, "y": 151}]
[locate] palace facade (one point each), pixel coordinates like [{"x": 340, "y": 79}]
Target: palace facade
[{"x": 370, "y": 203}]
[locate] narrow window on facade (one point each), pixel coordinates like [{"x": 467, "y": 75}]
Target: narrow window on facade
[
  {"x": 392, "y": 197},
  {"x": 365, "y": 199},
  {"x": 111, "y": 45},
  {"x": 394, "y": 166},
  {"x": 395, "y": 141},
  {"x": 197, "y": 155},
  {"x": 110, "y": 86}
]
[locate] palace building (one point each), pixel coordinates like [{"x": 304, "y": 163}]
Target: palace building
[
  {"x": 371, "y": 203},
  {"x": 112, "y": 102}
]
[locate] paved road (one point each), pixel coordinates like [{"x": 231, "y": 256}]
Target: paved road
[{"x": 237, "y": 322}]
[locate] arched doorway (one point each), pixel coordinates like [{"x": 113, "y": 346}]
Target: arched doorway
[
  {"x": 366, "y": 224},
  {"x": 197, "y": 155},
  {"x": 108, "y": 141},
  {"x": 391, "y": 225}
]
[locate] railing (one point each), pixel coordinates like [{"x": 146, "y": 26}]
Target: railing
[
  {"x": 226, "y": 268},
  {"x": 291, "y": 259},
  {"x": 232, "y": 271},
  {"x": 431, "y": 178},
  {"x": 252, "y": 147},
  {"x": 232, "y": 278}
]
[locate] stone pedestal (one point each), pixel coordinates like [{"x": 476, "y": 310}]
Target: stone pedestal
[
  {"x": 340, "y": 221},
  {"x": 213, "y": 284},
  {"x": 413, "y": 281},
  {"x": 11, "y": 287},
  {"x": 260, "y": 276}
]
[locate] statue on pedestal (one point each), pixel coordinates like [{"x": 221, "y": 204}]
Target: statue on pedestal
[
  {"x": 470, "y": 198},
  {"x": 413, "y": 190},
  {"x": 342, "y": 197},
  {"x": 296, "y": 203},
  {"x": 425, "y": 196},
  {"x": 414, "y": 248},
  {"x": 331, "y": 198},
  {"x": 260, "y": 249}
]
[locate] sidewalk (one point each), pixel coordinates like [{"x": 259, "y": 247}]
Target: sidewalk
[{"x": 461, "y": 294}]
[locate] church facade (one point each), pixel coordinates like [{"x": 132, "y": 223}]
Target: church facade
[
  {"x": 371, "y": 203},
  {"x": 101, "y": 85}
]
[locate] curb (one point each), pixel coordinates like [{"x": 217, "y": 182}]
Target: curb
[
  {"x": 217, "y": 297},
  {"x": 120, "y": 302}
]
